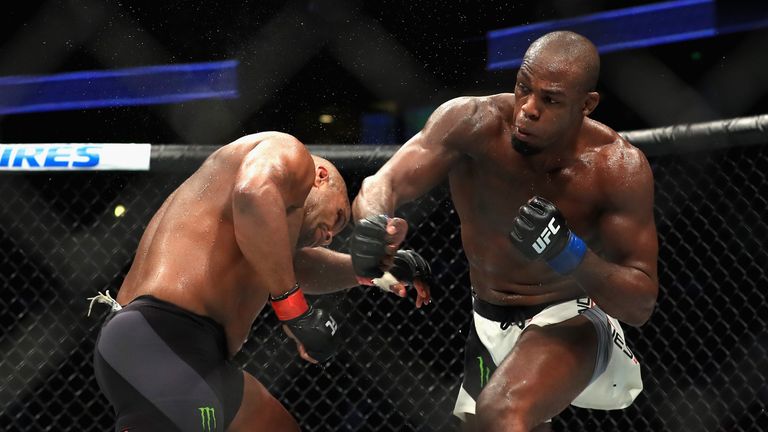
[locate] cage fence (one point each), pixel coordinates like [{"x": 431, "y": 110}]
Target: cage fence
[{"x": 703, "y": 353}]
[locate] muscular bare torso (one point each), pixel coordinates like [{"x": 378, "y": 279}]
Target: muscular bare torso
[
  {"x": 493, "y": 180},
  {"x": 188, "y": 254}
]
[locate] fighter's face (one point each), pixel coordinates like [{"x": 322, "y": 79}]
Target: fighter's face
[
  {"x": 326, "y": 213},
  {"x": 548, "y": 104}
]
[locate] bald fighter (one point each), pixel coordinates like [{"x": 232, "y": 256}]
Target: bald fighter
[
  {"x": 246, "y": 228},
  {"x": 557, "y": 224}
]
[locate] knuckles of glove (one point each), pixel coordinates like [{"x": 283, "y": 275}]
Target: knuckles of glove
[
  {"x": 316, "y": 330},
  {"x": 367, "y": 246},
  {"x": 539, "y": 231},
  {"x": 408, "y": 266}
]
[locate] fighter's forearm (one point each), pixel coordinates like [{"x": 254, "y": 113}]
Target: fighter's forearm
[
  {"x": 375, "y": 197},
  {"x": 323, "y": 271},
  {"x": 626, "y": 293}
]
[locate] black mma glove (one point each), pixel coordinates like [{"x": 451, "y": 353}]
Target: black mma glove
[
  {"x": 313, "y": 327},
  {"x": 540, "y": 232},
  {"x": 367, "y": 246},
  {"x": 408, "y": 266}
]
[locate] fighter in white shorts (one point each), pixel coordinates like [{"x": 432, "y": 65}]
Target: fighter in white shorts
[
  {"x": 494, "y": 330},
  {"x": 554, "y": 206}
]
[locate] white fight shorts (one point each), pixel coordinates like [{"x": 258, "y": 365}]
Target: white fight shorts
[{"x": 616, "y": 381}]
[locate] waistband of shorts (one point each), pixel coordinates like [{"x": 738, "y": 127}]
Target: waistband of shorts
[
  {"x": 154, "y": 302},
  {"x": 506, "y": 313}
]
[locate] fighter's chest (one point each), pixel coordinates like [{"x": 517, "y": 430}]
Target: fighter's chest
[{"x": 494, "y": 191}]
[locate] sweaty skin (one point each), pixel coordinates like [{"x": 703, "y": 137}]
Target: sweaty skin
[
  {"x": 601, "y": 183},
  {"x": 228, "y": 236},
  {"x": 499, "y": 151}
]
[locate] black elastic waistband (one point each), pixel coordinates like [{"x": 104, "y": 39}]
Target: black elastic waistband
[
  {"x": 506, "y": 314},
  {"x": 152, "y": 301}
]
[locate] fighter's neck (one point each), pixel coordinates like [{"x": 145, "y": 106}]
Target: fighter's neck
[{"x": 559, "y": 155}]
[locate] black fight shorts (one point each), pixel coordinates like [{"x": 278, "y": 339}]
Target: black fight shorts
[{"x": 166, "y": 369}]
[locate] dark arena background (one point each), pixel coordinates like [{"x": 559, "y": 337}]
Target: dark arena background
[{"x": 686, "y": 81}]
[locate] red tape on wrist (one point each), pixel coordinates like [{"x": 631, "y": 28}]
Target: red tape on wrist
[{"x": 290, "y": 305}]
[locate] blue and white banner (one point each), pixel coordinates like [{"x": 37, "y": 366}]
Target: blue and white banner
[{"x": 75, "y": 157}]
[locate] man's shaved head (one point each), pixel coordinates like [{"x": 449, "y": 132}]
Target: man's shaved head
[
  {"x": 568, "y": 50},
  {"x": 335, "y": 181}
]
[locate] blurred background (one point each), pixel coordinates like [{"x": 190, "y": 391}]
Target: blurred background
[
  {"x": 344, "y": 71},
  {"x": 362, "y": 77}
]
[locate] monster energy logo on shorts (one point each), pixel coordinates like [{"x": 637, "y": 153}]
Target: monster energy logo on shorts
[
  {"x": 208, "y": 418},
  {"x": 485, "y": 372}
]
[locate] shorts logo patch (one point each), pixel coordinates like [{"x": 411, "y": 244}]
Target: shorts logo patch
[
  {"x": 583, "y": 304},
  {"x": 620, "y": 344},
  {"x": 208, "y": 418},
  {"x": 485, "y": 372}
]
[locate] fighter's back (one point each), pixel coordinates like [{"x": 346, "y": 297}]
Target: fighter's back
[{"x": 188, "y": 254}]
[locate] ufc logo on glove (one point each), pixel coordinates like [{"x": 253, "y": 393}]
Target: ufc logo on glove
[
  {"x": 556, "y": 243},
  {"x": 331, "y": 324},
  {"x": 543, "y": 240}
]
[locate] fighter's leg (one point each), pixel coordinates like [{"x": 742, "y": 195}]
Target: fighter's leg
[
  {"x": 470, "y": 425},
  {"x": 260, "y": 411},
  {"x": 548, "y": 367}
]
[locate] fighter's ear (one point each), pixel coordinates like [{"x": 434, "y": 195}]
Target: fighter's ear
[
  {"x": 590, "y": 103},
  {"x": 321, "y": 175}
]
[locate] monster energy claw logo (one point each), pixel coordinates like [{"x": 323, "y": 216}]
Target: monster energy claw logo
[
  {"x": 485, "y": 372},
  {"x": 208, "y": 418}
]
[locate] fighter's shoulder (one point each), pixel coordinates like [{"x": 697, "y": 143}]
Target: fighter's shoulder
[
  {"x": 620, "y": 165},
  {"x": 271, "y": 136},
  {"x": 280, "y": 150},
  {"x": 273, "y": 144},
  {"x": 470, "y": 113}
]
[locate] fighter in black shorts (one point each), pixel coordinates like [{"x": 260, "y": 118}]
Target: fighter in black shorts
[{"x": 245, "y": 228}]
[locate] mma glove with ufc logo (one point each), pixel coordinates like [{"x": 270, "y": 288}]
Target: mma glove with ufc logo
[
  {"x": 314, "y": 327},
  {"x": 540, "y": 233}
]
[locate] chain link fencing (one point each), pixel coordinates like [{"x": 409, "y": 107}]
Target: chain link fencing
[{"x": 703, "y": 353}]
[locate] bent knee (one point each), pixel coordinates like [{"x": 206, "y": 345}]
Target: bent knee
[
  {"x": 495, "y": 411},
  {"x": 260, "y": 408}
]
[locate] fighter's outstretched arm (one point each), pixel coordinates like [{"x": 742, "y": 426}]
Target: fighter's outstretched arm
[
  {"x": 323, "y": 271},
  {"x": 422, "y": 162}
]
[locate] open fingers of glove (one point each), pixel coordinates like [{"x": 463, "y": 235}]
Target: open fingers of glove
[
  {"x": 299, "y": 346},
  {"x": 303, "y": 353},
  {"x": 399, "y": 289},
  {"x": 522, "y": 226},
  {"x": 423, "y": 294},
  {"x": 542, "y": 204},
  {"x": 531, "y": 213},
  {"x": 397, "y": 228}
]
